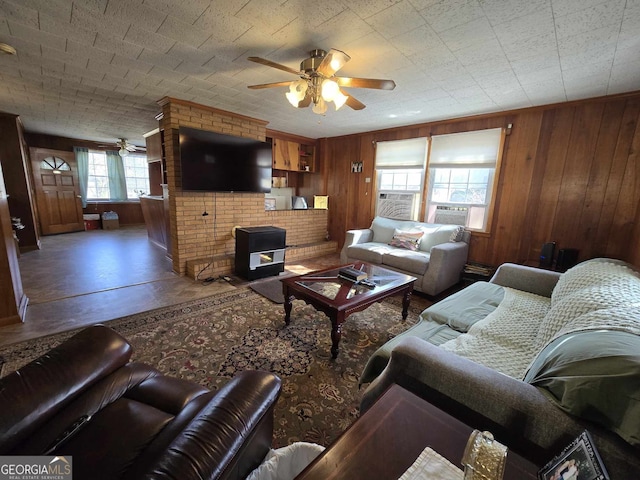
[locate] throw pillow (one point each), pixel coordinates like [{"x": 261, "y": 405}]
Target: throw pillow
[
  {"x": 593, "y": 375},
  {"x": 457, "y": 235},
  {"x": 408, "y": 240}
]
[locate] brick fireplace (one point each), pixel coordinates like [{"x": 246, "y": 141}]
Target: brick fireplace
[{"x": 204, "y": 243}]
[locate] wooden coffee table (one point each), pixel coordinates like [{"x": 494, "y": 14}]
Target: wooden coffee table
[
  {"x": 339, "y": 298},
  {"x": 387, "y": 439}
]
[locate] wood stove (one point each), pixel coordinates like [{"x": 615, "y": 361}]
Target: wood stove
[{"x": 259, "y": 251}]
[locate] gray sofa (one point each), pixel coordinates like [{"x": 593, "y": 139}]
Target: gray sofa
[
  {"x": 534, "y": 356},
  {"x": 437, "y": 263}
]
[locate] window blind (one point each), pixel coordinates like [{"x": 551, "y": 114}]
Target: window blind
[
  {"x": 410, "y": 153},
  {"x": 475, "y": 148}
]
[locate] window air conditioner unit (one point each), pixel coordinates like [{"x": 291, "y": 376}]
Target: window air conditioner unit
[
  {"x": 398, "y": 206},
  {"x": 451, "y": 215}
]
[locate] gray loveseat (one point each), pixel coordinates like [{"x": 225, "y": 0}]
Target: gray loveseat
[
  {"x": 437, "y": 263},
  {"x": 534, "y": 356}
]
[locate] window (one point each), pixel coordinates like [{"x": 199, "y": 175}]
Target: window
[
  {"x": 136, "y": 171},
  {"x": 461, "y": 175},
  {"x": 102, "y": 182},
  {"x": 56, "y": 164},
  {"x": 98, "y": 184},
  {"x": 400, "y": 177},
  {"x": 462, "y": 168}
]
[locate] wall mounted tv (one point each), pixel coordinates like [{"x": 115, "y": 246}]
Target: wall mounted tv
[{"x": 214, "y": 162}]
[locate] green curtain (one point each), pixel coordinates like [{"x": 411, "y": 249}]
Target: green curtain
[
  {"x": 82, "y": 160},
  {"x": 117, "y": 180}
]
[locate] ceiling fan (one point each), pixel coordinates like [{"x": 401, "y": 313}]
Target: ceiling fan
[
  {"x": 318, "y": 83},
  {"x": 125, "y": 148}
]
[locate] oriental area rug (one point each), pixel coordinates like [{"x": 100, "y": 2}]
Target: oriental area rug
[{"x": 210, "y": 340}]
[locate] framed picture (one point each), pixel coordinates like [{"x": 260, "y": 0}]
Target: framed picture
[{"x": 578, "y": 461}]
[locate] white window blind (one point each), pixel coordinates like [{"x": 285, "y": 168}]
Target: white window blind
[
  {"x": 410, "y": 153},
  {"x": 463, "y": 149}
]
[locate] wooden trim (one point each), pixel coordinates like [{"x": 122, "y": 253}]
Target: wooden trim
[
  {"x": 290, "y": 137},
  {"x": 186, "y": 103},
  {"x": 496, "y": 180},
  {"x": 492, "y": 115}
]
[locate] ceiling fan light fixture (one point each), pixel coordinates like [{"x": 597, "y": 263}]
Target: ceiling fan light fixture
[
  {"x": 340, "y": 99},
  {"x": 329, "y": 90},
  {"x": 297, "y": 92},
  {"x": 320, "y": 107},
  {"x": 123, "y": 152},
  {"x": 293, "y": 98}
]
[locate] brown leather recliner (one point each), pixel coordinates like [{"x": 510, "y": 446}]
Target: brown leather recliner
[{"x": 131, "y": 421}]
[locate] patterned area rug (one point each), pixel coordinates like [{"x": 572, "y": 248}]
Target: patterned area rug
[{"x": 209, "y": 340}]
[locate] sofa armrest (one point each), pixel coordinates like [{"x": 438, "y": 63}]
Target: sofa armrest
[
  {"x": 353, "y": 237},
  {"x": 33, "y": 395},
  {"x": 446, "y": 263},
  {"x": 528, "y": 279},
  {"x": 517, "y": 413},
  {"x": 229, "y": 437}
]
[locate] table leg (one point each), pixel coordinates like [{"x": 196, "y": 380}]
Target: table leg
[
  {"x": 406, "y": 298},
  {"x": 336, "y": 333},
  {"x": 288, "y": 299}
]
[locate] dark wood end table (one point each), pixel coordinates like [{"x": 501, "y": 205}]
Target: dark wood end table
[
  {"x": 387, "y": 439},
  {"x": 339, "y": 298}
]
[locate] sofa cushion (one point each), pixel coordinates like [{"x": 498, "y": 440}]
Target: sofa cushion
[
  {"x": 593, "y": 375},
  {"x": 592, "y": 295},
  {"x": 504, "y": 339},
  {"x": 435, "y": 234},
  {"x": 427, "y": 330},
  {"x": 384, "y": 228},
  {"x": 407, "y": 260},
  {"x": 604, "y": 273},
  {"x": 406, "y": 240},
  {"x": 457, "y": 235},
  {"x": 371, "y": 252},
  {"x": 466, "y": 307}
]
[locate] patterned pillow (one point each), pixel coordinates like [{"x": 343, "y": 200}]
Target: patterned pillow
[
  {"x": 457, "y": 235},
  {"x": 408, "y": 240}
]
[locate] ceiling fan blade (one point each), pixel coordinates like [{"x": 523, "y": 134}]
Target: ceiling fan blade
[
  {"x": 269, "y": 63},
  {"x": 366, "y": 83},
  {"x": 332, "y": 62},
  {"x": 270, "y": 85},
  {"x": 305, "y": 102},
  {"x": 353, "y": 102}
]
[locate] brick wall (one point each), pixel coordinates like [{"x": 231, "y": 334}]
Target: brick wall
[{"x": 195, "y": 236}]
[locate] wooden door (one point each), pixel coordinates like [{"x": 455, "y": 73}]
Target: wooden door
[{"x": 55, "y": 175}]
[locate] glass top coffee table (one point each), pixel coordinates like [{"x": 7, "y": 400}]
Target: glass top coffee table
[{"x": 338, "y": 298}]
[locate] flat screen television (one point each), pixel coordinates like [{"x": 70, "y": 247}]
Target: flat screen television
[{"x": 215, "y": 162}]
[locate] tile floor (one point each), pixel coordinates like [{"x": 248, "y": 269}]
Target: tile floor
[{"x": 84, "y": 278}]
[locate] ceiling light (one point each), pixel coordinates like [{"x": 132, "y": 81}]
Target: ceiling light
[
  {"x": 297, "y": 91},
  {"x": 8, "y": 49},
  {"x": 340, "y": 99},
  {"x": 293, "y": 98},
  {"x": 123, "y": 152},
  {"x": 320, "y": 107},
  {"x": 329, "y": 90}
]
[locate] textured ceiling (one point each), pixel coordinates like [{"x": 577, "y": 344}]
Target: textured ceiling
[{"x": 94, "y": 69}]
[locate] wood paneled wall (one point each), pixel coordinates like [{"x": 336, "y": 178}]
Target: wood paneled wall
[
  {"x": 129, "y": 213},
  {"x": 570, "y": 174}
]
